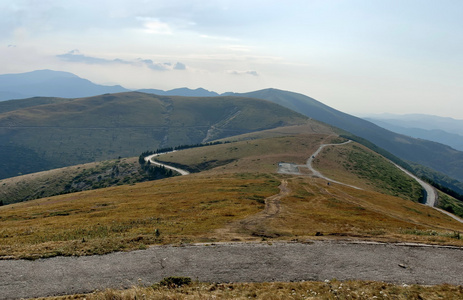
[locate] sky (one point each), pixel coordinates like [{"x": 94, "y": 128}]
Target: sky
[{"x": 358, "y": 56}]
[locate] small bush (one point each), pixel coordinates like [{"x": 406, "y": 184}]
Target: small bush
[{"x": 173, "y": 282}]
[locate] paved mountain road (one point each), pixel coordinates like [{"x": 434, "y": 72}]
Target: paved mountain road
[
  {"x": 233, "y": 262},
  {"x": 431, "y": 192},
  {"x": 150, "y": 158},
  {"x": 317, "y": 173}
]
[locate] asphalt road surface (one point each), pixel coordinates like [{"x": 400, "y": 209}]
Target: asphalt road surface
[
  {"x": 233, "y": 262},
  {"x": 150, "y": 158}
]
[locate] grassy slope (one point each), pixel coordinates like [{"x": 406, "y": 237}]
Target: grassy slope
[
  {"x": 71, "y": 179},
  {"x": 11, "y": 105},
  {"x": 109, "y": 173},
  {"x": 377, "y": 173},
  {"x": 124, "y": 125},
  {"x": 126, "y": 217},
  {"x": 195, "y": 207}
]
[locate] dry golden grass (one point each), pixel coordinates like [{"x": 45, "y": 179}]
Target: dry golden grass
[
  {"x": 343, "y": 212},
  {"x": 332, "y": 289},
  {"x": 183, "y": 209},
  {"x": 259, "y": 155},
  {"x": 196, "y": 207}
]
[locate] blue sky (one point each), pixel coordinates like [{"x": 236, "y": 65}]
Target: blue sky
[{"x": 357, "y": 56}]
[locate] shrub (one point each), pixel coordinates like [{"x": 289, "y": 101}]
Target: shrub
[{"x": 173, "y": 282}]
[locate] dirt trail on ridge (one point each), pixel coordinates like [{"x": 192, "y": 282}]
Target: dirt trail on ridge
[{"x": 253, "y": 227}]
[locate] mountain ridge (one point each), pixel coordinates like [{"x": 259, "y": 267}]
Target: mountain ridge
[
  {"x": 49, "y": 83},
  {"x": 437, "y": 156},
  {"x": 72, "y": 131}
]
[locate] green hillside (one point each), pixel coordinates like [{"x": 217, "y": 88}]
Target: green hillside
[
  {"x": 63, "y": 133},
  {"x": 6, "y": 106},
  {"x": 76, "y": 178},
  {"x": 439, "y": 157}
]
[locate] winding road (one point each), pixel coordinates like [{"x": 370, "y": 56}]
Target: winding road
[
  {"x": 431, "y": 192},
  {"x": 151, "y": 159},
  {"x": 317, "y": 173}
]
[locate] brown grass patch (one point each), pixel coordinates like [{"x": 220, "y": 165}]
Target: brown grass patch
[
  {"x": 260, "y": 155},
  {"x": 339, "y": 211},
  {"x": 183, "y": 209},
  {"x": 332, "y": 289}
]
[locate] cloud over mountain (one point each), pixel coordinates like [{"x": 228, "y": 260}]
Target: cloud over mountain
[{"x": 76, "y": 57}]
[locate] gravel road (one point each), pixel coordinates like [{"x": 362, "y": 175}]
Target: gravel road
[{"x": 233, "y": 262}]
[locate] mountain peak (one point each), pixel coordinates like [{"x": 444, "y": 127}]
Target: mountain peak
[{"x": 50, "y": 83}]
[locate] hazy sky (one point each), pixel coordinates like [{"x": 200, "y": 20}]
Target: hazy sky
[{"x": 368, "y": 56}]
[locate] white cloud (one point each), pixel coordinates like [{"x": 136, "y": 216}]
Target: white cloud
[
  {"x": 75, "y": 56},
  {"x": 250, "y": 72},
  {"x": 154, "y": 26},
  {"x": 219, "y": 38},
  {"x": 237, "y": 48}
]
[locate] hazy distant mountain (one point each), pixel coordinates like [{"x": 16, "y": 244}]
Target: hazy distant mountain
[
  {"x": 200, "y": 92},
  {"x": 434, "y": 155},
  {"x": 48, "y": 83},
  {"x": 421, "y": 121},
  {"x": 437, "y": 135}
]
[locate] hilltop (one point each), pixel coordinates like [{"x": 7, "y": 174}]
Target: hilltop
[{"x": 41, "y": 133}]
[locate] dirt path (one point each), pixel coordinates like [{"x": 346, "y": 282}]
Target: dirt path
[
  {"x": 253, "y": 228},
  {"x": 233, "y": 262}
]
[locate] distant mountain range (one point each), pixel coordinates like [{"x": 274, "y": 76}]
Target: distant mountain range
[
  {"x": 428, "y": 122},
  {"x": 199, "y": 92},
  {"x": 434, "y": 155},
  {"x": 447, "y": 131},
  {"x": 48, "y": 83}
]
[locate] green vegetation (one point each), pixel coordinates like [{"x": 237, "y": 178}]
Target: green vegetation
[
  {"x": 450, "y": 204},
  {"x": 440, "y": 181},
  {"x": 11, "y": 105},
  {"x": 78, "y": 178},
  {"x": 370, "y": 169},
  {"x": 455, "y": 234},
  {"x": 175, "y": 282},
  {"x": 123, "y": 125}
]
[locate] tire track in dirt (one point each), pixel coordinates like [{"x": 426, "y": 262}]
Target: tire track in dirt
[{"x": 253, "y": 227}]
